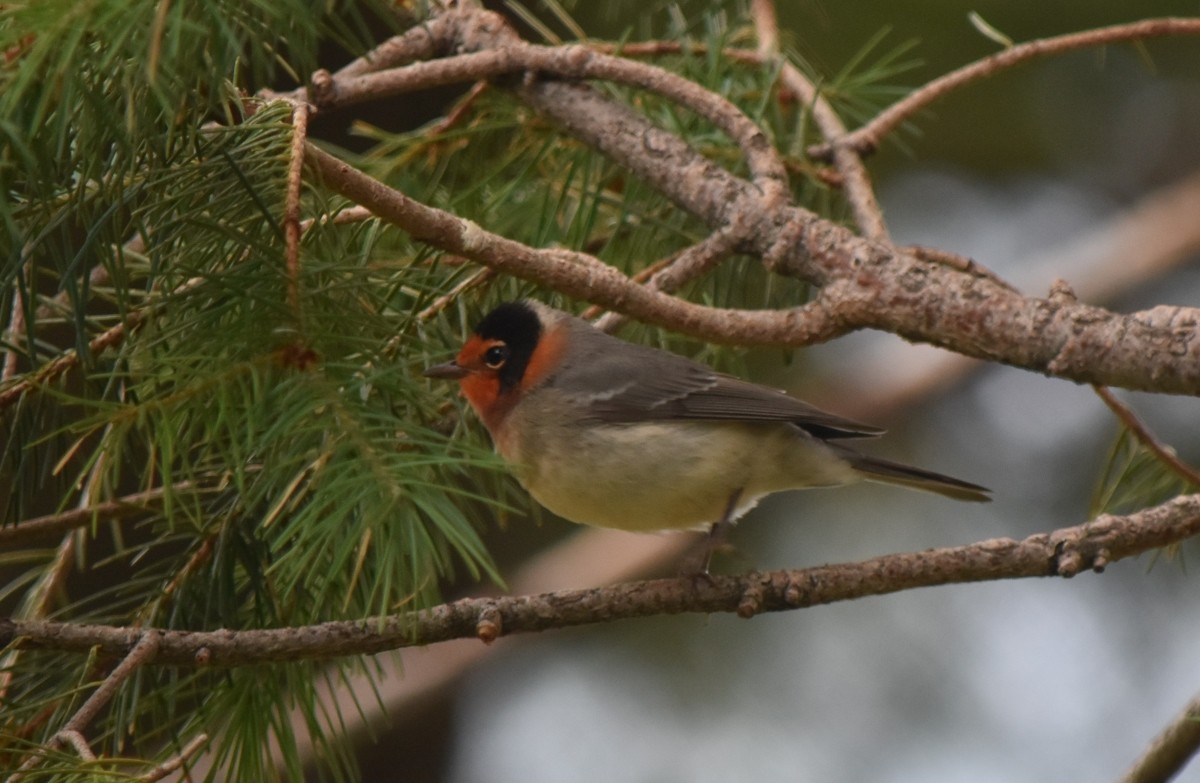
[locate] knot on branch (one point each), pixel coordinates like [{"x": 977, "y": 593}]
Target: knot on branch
[
  {"x": 1076, "y": 551},
  {"x": 793, "y": 594},
  {"x": 489, "y": 626},
  {"x": 322, "y": 88},
  {"x": 1061, "y": 292},
  {"x": 753, "y": 597},
  {"x": 479, "y": 29},
  {"x": 788, "y": 245}
]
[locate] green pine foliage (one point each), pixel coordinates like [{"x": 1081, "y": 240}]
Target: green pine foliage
[
  {"x": 304, "y": 470},
  {"x": 1133, "y": 477}
]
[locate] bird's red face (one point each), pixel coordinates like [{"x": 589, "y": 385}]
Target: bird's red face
[
  {"x": 483, "y": 360},
  {"x": 510, "y": 352}
]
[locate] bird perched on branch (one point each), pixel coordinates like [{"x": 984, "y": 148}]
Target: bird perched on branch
[{"x": 607, "y": 433}]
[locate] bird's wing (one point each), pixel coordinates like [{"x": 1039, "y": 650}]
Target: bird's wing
[{"x": 663, "y": 387}]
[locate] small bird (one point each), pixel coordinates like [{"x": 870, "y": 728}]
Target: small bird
[{"x": 607, "y": 433}]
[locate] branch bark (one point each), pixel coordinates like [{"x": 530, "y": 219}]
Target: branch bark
[
  {"x": 866, "y": 284},
  {"x": 867, "y": 138},
  {"x": 1170, "y": 751},
  {"x": 1066, "y": 552},
  {"x": 142, "y": 650}
]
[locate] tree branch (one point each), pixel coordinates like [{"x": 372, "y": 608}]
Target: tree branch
[
  {"x": 1066, "y": 552},
  {"x": 291, "y": 218},
  {"x": 866, "y": 284},
  {"x": 867, "y": 138},
  {"x": 1162, "y": 451},
  {"x": 68, "y": 359},
  {"x": 175, "y": 763},
  {"x": 142, "y": 651},
  {"x": 510, "y": 55},
  {"x": 117, "y": 508},
  {"x": 856, "y": 182},
  {"x": 570, "y": 272},
  {"x": 1171, "y": 750},
  {"x": 669, "y": 275}
]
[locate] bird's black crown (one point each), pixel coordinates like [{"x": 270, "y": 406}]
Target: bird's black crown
[{"x": 517, "y": 325}]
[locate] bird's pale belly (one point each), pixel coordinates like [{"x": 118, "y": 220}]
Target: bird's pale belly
[{"x": 671, "y": 475}]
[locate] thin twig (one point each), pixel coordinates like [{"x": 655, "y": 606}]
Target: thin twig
[
  {"x": 201, "y": 556},
  {"x": 961, "y": 263},
  {"x": 291, "y": 220},
  {"x": 78, "y": 742},
  {"x": 690, "y": 264},
  {"x": 460, "y": 110},
  {"x": 660, "y": 48},
  {"x": 766, "y": 27},
  {"x": 477, "y": 278},
  {"x": 16, "y": 325},
  {"x": 175, "y": 763},
  {"x": 1165, "y": 453},
  {"x": 354, "y": 214},
  {"x": 52, "y": 579},
  {"x": 143, "y": 651},
  {"x": 50, "y": 582},
  {"x": 97, "y": 277},
  {"x": 855, "y": 181},
  {"x": 1066, "y": 552},
  {"x": 867, "y": 138},
  {"x": 117, "y": 508},
  {"x": 70, "y": 358},
  {"x": 574, "y": 63},
  {"x": 1170, "y": 751}
]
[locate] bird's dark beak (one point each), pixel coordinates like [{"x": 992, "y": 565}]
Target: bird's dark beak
[{"x": 449, "y": 371}]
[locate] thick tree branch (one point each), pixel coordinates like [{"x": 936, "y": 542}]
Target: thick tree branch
[
  {"x": 1127, "y": 250},
  {"x": 866, "y": 284},
  {"x": 1066, "y": 552},
  {"x": 573, "y": 273},
  {"x": 513, "y": 56}
]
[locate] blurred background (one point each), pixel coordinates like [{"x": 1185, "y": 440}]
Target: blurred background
[{"x": 1084, "y": 167}]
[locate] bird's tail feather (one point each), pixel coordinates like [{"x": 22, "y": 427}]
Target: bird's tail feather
[{"x": 888, "y": 472}]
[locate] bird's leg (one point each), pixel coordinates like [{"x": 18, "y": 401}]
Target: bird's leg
[
  {"x": 718, "y": 535},
  {"x": 717, "y": 539}
]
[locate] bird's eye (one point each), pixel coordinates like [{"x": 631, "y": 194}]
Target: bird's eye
[{"x": 495, "y": 356}]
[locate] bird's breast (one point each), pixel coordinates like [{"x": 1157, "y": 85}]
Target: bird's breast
[{"x": 658, "y": 475}]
